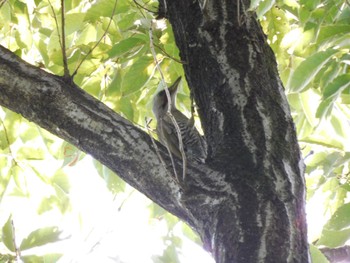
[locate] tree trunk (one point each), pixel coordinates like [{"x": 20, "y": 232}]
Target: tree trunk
[
  {"x": 247, "y": 201},
  {"x": 250, "y": 132}
]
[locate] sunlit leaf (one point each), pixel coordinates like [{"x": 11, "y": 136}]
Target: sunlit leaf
[
  {"x": 254, "y": 4},
  {"x": 330, "y": 31},
  {"x": 137, "y": 75},
  {"x": 120, "y": 72},
  {"x": 128, "y": 22},
  {"x": 325, "y": 108},
  {"x": 317, "y": 255},
  {"x": 331, "y": 144},
  {"x": 8, "y": 235},
  {"x": 61, "y": 180},
  {"x": 48, "y": 204},
  {"x": 88, "y": 35},
  {"x": 264, "y": 6},
  {"x": 40, "y": 237},
  {"x": 337, "y": 85},
  {"x": 308, "y": 69},
  {"x": 340, "y": 219},
  {"x": 338, "y": 127},
  {"x": 126, "y": 107},
  {"x": 5, "y": 175},
  {"x": 71, "y": 155},
  {"x": 74, "y": 22},
  {"x": 334, "y": 238},
  {"x": 113, "y": 181},
  {"x": 125, "y": 46},
  {"x": 63, "y": 197},
  {"x": 345, "y": 98},
  {"x": 41, "y": 259},
  {"x": 31, "y": 153},
  {"x": 100, "y": 8}
]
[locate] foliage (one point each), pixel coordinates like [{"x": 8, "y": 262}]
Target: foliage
[{"x": 310, "y": 39}]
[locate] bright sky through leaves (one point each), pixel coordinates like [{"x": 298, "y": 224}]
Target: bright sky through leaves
[{"x": 66, "y": 206}]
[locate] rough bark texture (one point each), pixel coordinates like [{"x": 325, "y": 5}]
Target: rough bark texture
[
  {"x": 337, "y": 255},
  {"x": 247, "y": 201},
  {"x": 245, "y": 115}
]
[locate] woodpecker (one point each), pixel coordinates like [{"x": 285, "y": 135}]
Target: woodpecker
[{"x": 194, "y": 145}]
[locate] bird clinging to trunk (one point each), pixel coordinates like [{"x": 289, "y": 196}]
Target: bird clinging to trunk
[{"x": 194, "y": 144}]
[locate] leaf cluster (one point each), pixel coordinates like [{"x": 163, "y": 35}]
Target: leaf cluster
[{"x": 112, "y": 55}]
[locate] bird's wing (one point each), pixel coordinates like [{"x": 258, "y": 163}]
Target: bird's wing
[{"x": 168, "y": 135}]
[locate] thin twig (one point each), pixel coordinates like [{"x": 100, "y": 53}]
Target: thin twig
[
  {"x": 63, "y": 41},
  {"x": 98, "y": 42},
  {"x": 2, "y": 2},
  {"x": 18, "y": 252},
  {"x": 147, "y": 122},
  {"x": 178, "y": 132},
  {"x": 61, "y": 38},
  {"x": 57, "y": 27},
  {"x": 8, "y": 142},
  {"x": 169, "y": 56},
  {"x": 142, "y": 7}
]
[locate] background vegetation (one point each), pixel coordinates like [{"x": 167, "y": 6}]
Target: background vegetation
[{"x": 57, "y": 204}]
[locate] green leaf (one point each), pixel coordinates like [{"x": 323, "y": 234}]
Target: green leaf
[
  {"x": 41, "y": 259},
  {"x": 330, "y": 31},
  {"x": 88, "y": 35},
  {"x": 114, "y": 88},
  {"x": 334, "y": 238},
  {"x": 5, "y": 12},
  {"x": 340, "y": 219},
  {"x": 330, "y": 143},
  {"x": 137, "y": 75},
  {"x": 74, "y": 22},
  {"x": 47, "y": 204},
  {"x": 264, "y": 6},
  {"x": 345, "y": 98},
  {"x": 338, "y": 127},
  {"x": 254, "y": 4},
  {"x": 7, "y": 235},
  {"x": 307, "y": 107},
  {"x": 114, "y": 183},
  {"x": 100, "y": 8},
  {"x": 63, "y": 198},
  {"x": 41, "y": 237},
  {"x": 325, "y": 108},
  {"x": 126, "y": 46},
  {"x": 337, "y": 85},
  {"x": 61, "y": 180},
  {"x": 71, "y": 155},
  {"x": 308, "y": 69},
  {"x": 126, "y": 107},
  {"x": 317, "y": 256},
  {"x": 31, "y": 153}
]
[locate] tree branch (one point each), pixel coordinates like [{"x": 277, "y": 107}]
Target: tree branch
[
  {"x": 70, "y": 113},
  {"x": 247, "y": 202},
  {"x": 337, "y": 255}
]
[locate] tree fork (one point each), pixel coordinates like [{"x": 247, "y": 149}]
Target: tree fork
[
  {"x": 247, "y": 201},
  {"x": 234, "y": 80}
]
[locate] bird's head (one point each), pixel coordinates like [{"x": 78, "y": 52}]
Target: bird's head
[{"x": 160, "y": 101}]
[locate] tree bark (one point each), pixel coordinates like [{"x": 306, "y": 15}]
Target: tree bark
[
  {"x": 250, "y": 132},
  {"x": 247, "y": 201}
]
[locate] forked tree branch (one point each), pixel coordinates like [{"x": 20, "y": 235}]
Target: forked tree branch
[{"x": 73, "y": 115}]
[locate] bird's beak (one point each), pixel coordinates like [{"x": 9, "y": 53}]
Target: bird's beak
[{"x": 174, "y": 86}]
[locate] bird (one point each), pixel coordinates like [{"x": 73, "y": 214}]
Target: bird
[{"x": 194, "y": 145}]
